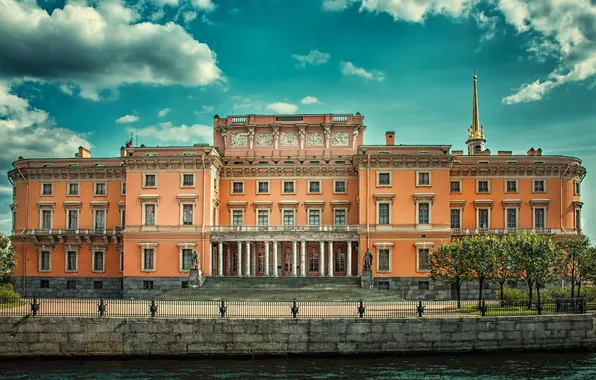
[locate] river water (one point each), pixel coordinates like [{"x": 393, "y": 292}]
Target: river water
[{"x": 551, "y": 365}]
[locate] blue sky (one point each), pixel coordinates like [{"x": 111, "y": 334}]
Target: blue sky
[{"x": 86, "y": 73}]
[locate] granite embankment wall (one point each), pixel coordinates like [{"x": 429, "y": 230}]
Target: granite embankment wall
[{"x": 66, "y": 336}]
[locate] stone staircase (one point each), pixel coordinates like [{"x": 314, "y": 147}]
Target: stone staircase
[{"x": 281, "y": 282}]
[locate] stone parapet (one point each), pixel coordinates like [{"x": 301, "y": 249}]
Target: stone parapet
[{"x": 63, "y": 336}]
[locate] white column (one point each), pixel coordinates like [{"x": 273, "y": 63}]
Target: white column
[
  {"x": 239, "y": 260},
  {"x": 322, "y": 259},
  {"x": 330, "y": 262},
  {"x": 247, "y": 268},
  {"x": 266, "y": 259},
  {"x": 349, "y": 264},
  {"x": 220, "y": 258},
  {"x": 210, "y": 259},
  {"x": 294, "y": 257},
  {"x": 275, "y": 259},
  {"x": 303, "y": 258}
]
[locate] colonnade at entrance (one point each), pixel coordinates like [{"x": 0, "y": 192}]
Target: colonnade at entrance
[{"x": 297, "y": 258}]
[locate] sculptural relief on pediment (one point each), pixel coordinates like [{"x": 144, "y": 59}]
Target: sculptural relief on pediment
[
  {"x": 288, "y": 139},
  {"x": 238, "y": 139},
  {"x": 314, "y": 139},
  {"x": 340, "y": 138},
  {"x": 264, "y": 139}
]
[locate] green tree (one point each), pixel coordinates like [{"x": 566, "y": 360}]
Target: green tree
[
  {"x": 7, "y": 258},
  {"x": 448, "y": 264},
  {"x": 575, "y": 258},
  {"x": 503, "y": 270},
  {"x": 480, "y": 253},
  {"x": 588, "y": 268}
]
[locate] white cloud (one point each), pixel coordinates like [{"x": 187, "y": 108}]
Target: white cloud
[
  {"x": 101, "y": 47},
  {"x": 205, "y": 5},
  {"x": 164, "y": 112},
  {"x": 189, "y": 16},
  {"x": 127, "y": 119},
  {"x": 309, "y": 100},
  {"x": 161, "y": 3},
  {"x": 314, "y": 57},
  {"x": 487, "y": 24},
  {"x": 336, "y": 5},
  {"x": 348, "y": 68},
  {"x": 204, "y": 109},
  {"x": 168, "y": 132},
  {"x": 67, "y": 89},
  {"x": 5, "y": 190},
  {"x": 282, "y": 107}
]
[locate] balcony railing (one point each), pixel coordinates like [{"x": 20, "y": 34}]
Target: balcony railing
[
  {"x": 499, "y": 231},
  {"x": 74, "y": 232},
  {"x": 239, "y": 120},
  {"x": 286, "y": 228},
  {"x": 340, "y": 119}
]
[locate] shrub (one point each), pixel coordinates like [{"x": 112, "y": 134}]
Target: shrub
[
  {"x": 513, "y": 295},
  {"x": 8, "y": 294},
  {"x": 547, "y": 295}
]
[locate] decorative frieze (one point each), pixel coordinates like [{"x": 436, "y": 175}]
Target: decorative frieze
[
  {"x": 314, "y": 139},
  {"x": 291, "y": 171},
  {"x": 68, "y": 173},
  {"x": 405, "y": 162},
  {"x": 238, "y": 139},
  {"x": 195, "y": 163},
  {"x": 340, "y": 139},
  {"x": 519, "y": 170},
  {"x": 289, "y": 139},
  {"x": 264, "y": 139}
]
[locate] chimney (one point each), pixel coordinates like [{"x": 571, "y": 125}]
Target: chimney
[
  {"x": 389, "y": 138},
  {"x": 531, "y": 152},
  {"x": 83, "y": 153},
  {"x": 504, "y": 153}
]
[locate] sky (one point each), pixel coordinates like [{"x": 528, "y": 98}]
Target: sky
[{"x": 89, "y": 72}]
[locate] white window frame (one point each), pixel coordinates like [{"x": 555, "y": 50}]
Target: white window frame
[
  {"x": 263, "y": 192},
  {"x": 181, "y": 247},
  {"x": 430, "y": 180},
  {"x": 345, "y": 210},
  {"x": 505, "y": 210},
  {"x": 283, "y": 211},
  {"x": 182, "y": 214},
  {"x": 120, "y": 260},
  {"x": 283, "y": 187},
  {"x": 78, "y": 211},
  {"x": 460, "y": 186},
  {"x": 345, "y": 186},
  {"x": 39, "y": 254},
  {"x": 420, "y": 246},
  {"x": 534, "y": 180},
  {"x": 105, "y": 217},
  {"x": 378, "y": 176},
  {"x": 232, "y": 192},
  {"x": 378, "y": 203},
  {"x": 545, "y": 216},
  {"x": 41, "y": 210},
  {"x": 123, "y": 218},
  {"x": 483, "y": 180},
  {"x": 489, "y": 216},
  {"x": 103, "y": 257},
  {"x": 41, "y": 194},
  {"x": 576, "y": 187},
  {"x": 123, "y": 188},
  {"x": 95, "y": 193},
  {"x": 268, "y": 211},
  {"x": 430, "y": 213},
  {"x": 68, "y": 249},
  {"x": 145, "y": 180},
  {"x": 308, "y": 182},
  {"x": 232, "y": 217},
  {"x": 378, "y": 260},
  {"x": 68, "y": 193},
  {"x": 143, "y": 216},
  {"x": 461, "y": 211},
  {"x": 148, "y": 245},
  {"x": 308, "y": 211},
  {"x": 516, "y": 186},
  {"x": 182, "y": 185}
]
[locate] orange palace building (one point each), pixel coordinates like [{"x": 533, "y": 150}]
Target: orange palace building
[{"x": 275, "y": 196}]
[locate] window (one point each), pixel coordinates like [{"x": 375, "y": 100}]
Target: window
[
  {"x": 187, "y": 214},
  {"x": 539, "y": 218},
  {"x": 215, "y": 184},
  {"x": 455, "y": 218},
  {"x": 149, "y": 214},
  {"x": 423, "y": 179},
  {"x": 511, "y": 215},
  {"x": 288, "y": 217},
  {"x": 314, "y": 217},
  {"x": 383, "y": 260},
  {"x": 98, "y": 261},
  {"x": 71, "y": 284},
  {"x": 100, "y": 188},
  {"x": 262, "y": 187},
  {"x": 123, "y": 188},
  {"x": 340, "y": 217},
  {"x": 121, "y": 261},
  {"x": 97, "y": 285},
  {"x": 314, "y": 187},
  {"x": 288, "y": 187},
  {"x": 578, "y": 220},
  {"x": 237, "y": 218},
  {"x": 46, "y": 219},
  {"x": 383, "y": 213},
  {"x": 235, "y": 262},
  {"x": 576, "y": 187},
  {"x": 340, "y": 187},
  {"x": 44, "y": 261},
  {"x": 122, "y": 218},
  {"x": 46, "y": 189},
  {"x": 482, "y": 218},
  {"x": 184, "y": 284},
  {"x": 340, "y": 262},
  {"x": 455, "y": 186},
  {"x": 237, "y": 187},
  {"x": 423, "y": 213},
  {"x": 188, "y": 180},
  {"x": 483, "y": 187},
  {"x": 260, "y": 262},
  {"x": 71, "y": 261},
  {"x": 186, "y": 259},
  {"x": 147, "y": 285},
  {"x": 539, "y": 186},
  {"x": 44, "y": 284},
  {"x": 511, "y": 186},
  {"x": 383, "y": 179},
  {"x": 73, "y": 219},
  {"x": 423, "y": 285},
  {"x": 263, "y": 218},
  {"x": 100, "y": 219},
  {"x": 423, "y": 259},
  {"x": 313, "y": 262},
  {"x": 148, "y": 259},
  {"x": 150, "y": 180},
  {"x": 73, "y": 189}
]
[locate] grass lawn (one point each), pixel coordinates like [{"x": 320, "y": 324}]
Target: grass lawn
[{"x": 301, "y": 294}]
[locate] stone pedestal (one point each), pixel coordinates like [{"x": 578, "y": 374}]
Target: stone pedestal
[
  {"x": 366, "y": 280},
  {"x": 195, "y": 278}
]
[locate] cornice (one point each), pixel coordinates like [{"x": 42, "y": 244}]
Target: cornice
[
  {"x": 69, "y": 173},
  {"x": 289, "y": 171},
  {"x": 518, "y": 170},
  {"x": 404, "y": 161},
  {"x": 172, "y": 163}
]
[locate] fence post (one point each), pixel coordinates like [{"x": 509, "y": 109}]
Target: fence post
[
  {"x": 153, "y": 308},
  {"x": 483, "y": 308},
  {"x": 361, "y": 308},
  {"x": 34, "y": 306},
  {"x": 294, "y": 309},
  {"x": 420, "y": 309},
  {"x": 101, "y": 307},
  {"x": 222, "y": 309},
  {"x": 539, "y": 308}
]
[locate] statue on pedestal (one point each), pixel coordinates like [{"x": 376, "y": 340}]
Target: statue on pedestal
[
  {"x": 195, "y": 260},
  {"x": 367, "y": 260}
]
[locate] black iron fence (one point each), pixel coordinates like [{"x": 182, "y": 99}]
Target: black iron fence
[{"x": 288, "y": 309}]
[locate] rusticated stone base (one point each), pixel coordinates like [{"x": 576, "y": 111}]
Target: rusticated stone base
[
  {"x": 415, "y": 288},
  {"x": 69, "y": 287},
  {"x": 149, "y": 287},
  {"x": 64, "y": 336}
]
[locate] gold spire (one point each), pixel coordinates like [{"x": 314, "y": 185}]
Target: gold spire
[{"x": 476, "y": 131}]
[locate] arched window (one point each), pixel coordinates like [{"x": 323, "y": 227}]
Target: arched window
[
  {"x": 313, "y": 262},
  {"x": 288, "y": 260},
  {"x": 261, "y": 262},
  {"x": 340, "y": 262}
]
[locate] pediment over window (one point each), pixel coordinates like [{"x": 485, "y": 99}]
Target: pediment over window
[
  {"x": 314, "y": 204},
  {"x": 541, "y": 202},
  {"x": 512, "y": 202},
  {"x": 288, "y": 204},
  {"x": 262, "y": 204},
  {"x": 388, "y": 196},
  {"x": 384, "y": 245},
  {"x": 484, "y": 203},
  {"x": 237, "y": 204}
]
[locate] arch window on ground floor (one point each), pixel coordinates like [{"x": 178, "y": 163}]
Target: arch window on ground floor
[
  {"x": 260, "y": 262},
  {"x": 313, "y": 262},
  {"x": 340, "y": 262},
  {"x": 288, "y": 261}
]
